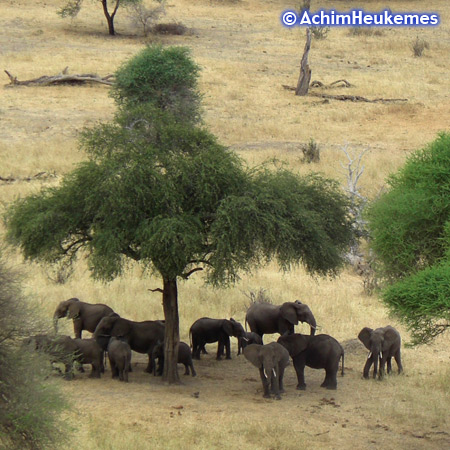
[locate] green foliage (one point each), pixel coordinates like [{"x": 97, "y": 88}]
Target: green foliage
[
  {"x": 30, "y": 404},
  {"x": 163, "y": 77},
  {"x": 410, "y": 233},
  {"x": 167, "y": 194},
  {"x": 70, "y": 9},
  {"x": 422, "y": 301},
  {"x": 407, "y": 223}
]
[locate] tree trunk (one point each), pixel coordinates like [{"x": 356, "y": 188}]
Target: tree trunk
[
  {"x": 172, "y": 332},
  {"x": 305, "y": 71},
  {"x": 110, "y": 17}
]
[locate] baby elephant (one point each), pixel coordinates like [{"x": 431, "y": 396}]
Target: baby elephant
[
  {"x": 271, "y": 360},
  {"x": 318, "y": 352},
  {"x": 248, "y": 338},
  {"x": 383, "y": 344},
  {"x": 184, "y": 357},
  {"x": 119, "y": 354}
]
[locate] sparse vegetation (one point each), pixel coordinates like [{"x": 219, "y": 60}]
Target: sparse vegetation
[
  {"x": 365, "y": 31},
  {"x": 144, "y": 17},
  {"x": 311, "y": 152},
  {"x": 418, "y": 46}
]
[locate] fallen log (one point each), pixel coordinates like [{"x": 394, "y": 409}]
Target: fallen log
[{"x": 62, "y": 78}]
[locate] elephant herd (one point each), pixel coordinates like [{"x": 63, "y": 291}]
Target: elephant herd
[{"x": 119, "y": 337}]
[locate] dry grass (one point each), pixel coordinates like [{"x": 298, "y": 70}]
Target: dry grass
[{"x": 246, "y": 56}]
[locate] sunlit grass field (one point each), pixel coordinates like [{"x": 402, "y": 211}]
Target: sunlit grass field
[{"x": 246, "y": 57}]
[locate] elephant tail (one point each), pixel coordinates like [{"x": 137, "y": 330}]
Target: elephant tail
[
  {"x": 246, "y": 324},
  {"x": 342, "y": 356},
  {"x": 190, "y": 338}
]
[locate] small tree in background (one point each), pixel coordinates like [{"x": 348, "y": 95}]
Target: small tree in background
[
  {"x": 163, "y": 192},
  {"x": 30, "y": 405},
  {"x": 410, "y": 234},
  {"x": 73, "y": 7}
]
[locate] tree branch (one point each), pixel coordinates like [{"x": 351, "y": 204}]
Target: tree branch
[{"x": 188, "y": 274}]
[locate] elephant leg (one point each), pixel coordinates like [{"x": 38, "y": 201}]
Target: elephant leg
[
  {"x": 239, "y": 346},
  {"x": 114, "y": 370},
  {"x": 228, "y": 348},
  {"x": 367, "y": 367},
  {"x": 68, "y": 372},
  {"x": 220, "y": 346},
  {"x": 398, "y": 360},
  {"x": 299, "y": 366},
  {"x": 330, "y": 381},
  {"x": 121, "y": 374},
  {"x": 125, "y": 373},
  {"x": 196, "y": 348},
  {"x": 204, "y": 350},
  {"x": 382, "y": 364},
  {"x": 389, "y": 365},
  {"x": 77, "y": 328},
  {"x": 149, "y": 368},
  {"x": 95, "y": 371},
  {"x": 186, "y": 369},
  {"x": 280, "y": 379},
  {"x": 193, "y": 372},
  {"x": 265, "y": 383}
]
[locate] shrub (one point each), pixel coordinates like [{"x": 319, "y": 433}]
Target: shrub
[
  {"x": 311, "y": 152},
  {"x": 174, "y": 28},
  {"x": 418, "y": 46},
  {"x": 30, "y": 405}
]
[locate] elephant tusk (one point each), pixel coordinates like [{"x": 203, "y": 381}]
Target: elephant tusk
[
  {"x": 274, "y": 373},
  {"x": 381, "y": 355},
  {"x": 265, "y": 373},
  {"x": 369, "y": 355},
  {"x": 245, "y": 339}
]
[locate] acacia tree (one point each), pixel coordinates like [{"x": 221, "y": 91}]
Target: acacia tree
[
  {"x": 410, "y": 234},
  {"x": 162, "y": 191},
  {"x": 73, "y": 7}
]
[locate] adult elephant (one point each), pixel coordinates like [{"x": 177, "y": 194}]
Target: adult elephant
[
  {"x": 85, "y": 316},
  {"x": 206, "y": 331},
  {"x": 318, "y": 352},
  {"x": 265, "y": 318},
  {"x": 383, "y": 344},
  {"x": 140, "y": 336}
]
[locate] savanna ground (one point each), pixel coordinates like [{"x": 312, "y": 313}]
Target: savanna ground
[{"x": 246, "y": 56}]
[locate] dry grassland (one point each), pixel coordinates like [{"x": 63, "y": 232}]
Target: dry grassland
[{"x": 246, "y": 57}]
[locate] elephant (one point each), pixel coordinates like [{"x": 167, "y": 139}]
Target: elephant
[
  {"x": 265, "y": 318},
  {"x": 64, "y": 349},
  {"x": 85, "y": 316},
  {"x": 119, "y": 355},
  {"x": 271, "y": 360},
  {"x": 140, "y": 336},
  {"x": 89, "y": 352},
  {"x": 205, "y": 331},
  {"x": 318, "y": 352},
  {"x": 248, "y": 338},
  {"x": 383, "y": 344},
  {"x": 184, "y": 357}
]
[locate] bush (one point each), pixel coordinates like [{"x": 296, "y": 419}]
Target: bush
[
  {"x": 365, "y": 31},
  {"x": 418, "y": 46},
  {"x": 311, "y": 152},
  {"x": 30, "y": 405}
]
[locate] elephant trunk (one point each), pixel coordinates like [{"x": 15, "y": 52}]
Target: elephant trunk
[
  {"x": 375, "y": 357},
  {"x": 313, "y": 325}
]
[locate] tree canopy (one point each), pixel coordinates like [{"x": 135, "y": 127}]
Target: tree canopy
[
  {"x": 164, "y": 192},
  {"x": 410, "y": 234}
]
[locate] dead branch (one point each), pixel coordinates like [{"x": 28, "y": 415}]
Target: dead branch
[
  {"x": 357, "y": 98},
  {"x": 317, "y": 83},
  {"x": 62, "y": 78},
  {"x": 38, "y": 176}
]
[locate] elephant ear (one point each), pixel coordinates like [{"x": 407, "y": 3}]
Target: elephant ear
[
  {"x": 364, "y": 336},
  {"x": 227, "y": 326},
  {"x": 253, "y": 354},
  {"x": 288, "y": 312},
  {"x": 73, "y": 311}
]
